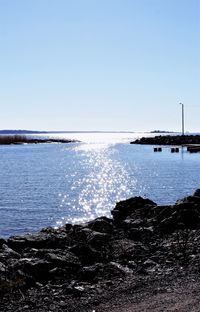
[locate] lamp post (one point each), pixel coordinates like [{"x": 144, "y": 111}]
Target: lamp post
[{"x": 182, "y": 105}]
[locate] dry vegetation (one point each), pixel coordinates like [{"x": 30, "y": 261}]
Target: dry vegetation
[
  {"x": 21, "y": 139},
  {"x": 14, "y": 139}
]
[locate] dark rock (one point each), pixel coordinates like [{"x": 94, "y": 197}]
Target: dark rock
[
  {"x": 80, "y": 234},
  {"x": 2, "y": 242},
  {"x": 67, "y": 259},
  {"x": 3, "y": 273},
  {"x": 143, "y": 241},
  {"x": 7, "y": 253},
  {"x": 168, "y": 225},
  {"x": 68, "y": 227},
  {"x": 158, "y": 213},
  {"x": 140, "y": 234},
  {"x": 125, "y": 250},
  {"x": 48, "y": 230},
  {"x": 75, "y": 290},
  {"x": 189, "y": 199},
  {"x": 58, "y": 274},
  {"x": 39, "y": 240},
  {"x": 113, "y": 270},
  {"x": 37, "y": 269},
  {"x": 149, "y": 263},
  {"x": 89, "y": 273},
  {"x": 127, "y": 207},
  {"x": 2, "y": 268},
  {"x": 86, "y": 254},
  {"x": 24, "y": 280},
  {"x": 77, "y": 227},
  {"x": 188, "y": 214},
  {"x": 97, "y": 240},
  {"x": 197, "y": 193},
  {"x": 102, "y": 225},
  {"x": 130, "y": 223},
  {"x": 17, "y": 242},
  {"x": 132, "y": 265}
]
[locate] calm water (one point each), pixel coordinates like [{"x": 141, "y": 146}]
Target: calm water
[{"x": 50, "y": 184}]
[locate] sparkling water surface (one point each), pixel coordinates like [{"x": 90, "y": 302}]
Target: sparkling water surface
[{"x": 51, "y": 184}]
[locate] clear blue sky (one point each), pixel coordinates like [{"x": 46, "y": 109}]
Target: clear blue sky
[{"x": 99, "y": 64}]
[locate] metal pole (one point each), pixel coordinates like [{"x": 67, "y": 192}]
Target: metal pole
[{"x": 183, "y": 131}]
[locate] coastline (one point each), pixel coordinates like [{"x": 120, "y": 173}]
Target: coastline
[
  {"x": 23, "y": 139},
  {"x": 169, "y": 140},
  {"x": 143, "y": 250}
]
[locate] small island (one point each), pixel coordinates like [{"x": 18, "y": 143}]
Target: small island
[
  {"x": 161, "y": 131},
  {"x": 24, "y": 139}
]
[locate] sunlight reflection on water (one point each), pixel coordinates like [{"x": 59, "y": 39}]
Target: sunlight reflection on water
[{"x": 106, "y": 178}]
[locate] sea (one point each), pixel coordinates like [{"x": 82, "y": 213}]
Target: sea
[{"x": 45, "y": 185}]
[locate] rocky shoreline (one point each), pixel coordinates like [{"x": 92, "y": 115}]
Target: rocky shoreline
[
  {"x": 19, "y": 140},
  {"x": 169, "y": 140},
  {"x": 105, "y": 263}
]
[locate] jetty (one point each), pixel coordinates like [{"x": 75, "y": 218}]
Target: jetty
[{"x": 192, "y": 142}]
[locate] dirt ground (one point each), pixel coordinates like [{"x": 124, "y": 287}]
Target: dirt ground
[
  {"x": 181, "y": 296},
  {"x": 174, "y": 294}
]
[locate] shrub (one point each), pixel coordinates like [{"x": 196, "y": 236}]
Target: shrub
[{"x": 13, "y": 139}]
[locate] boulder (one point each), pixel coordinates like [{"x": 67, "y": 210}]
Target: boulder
[
  {"x": 36, "y": 268},
  {"x": 102, "y": 225},
  {"x": 130, "y": 223},
  {"x": 168, "y": 225},
  {"x": 188, "y": 215},
  {"x": 2, "y": 268},
  {"x": 68, "y": 227},
  {"x": 2, "y": 242},
  {"x": 122, "y": 249},
  {"x": 17, "y": 242},
  {"x": 89, "y": 273},
  {"x": 113, "y": 270},
  {"x": 149, "y": 263},
  {"x": 86, "y": 254},
  {"x": 68, "y": 259},
  {"x": 97, "y": 240},
  {"x": 7, "y": 253},
  {"x": 57, "y": 274},
  {"x": 127, "y": 207},
  {"x": 49, "y": 239},
  {"x": 125, "y": 250},
  {"x": 80, "y": 234},
  {"x": 141, "y": 233},
  {"x": 197, "y": 193},
  {"x": 190, "y": 200}
]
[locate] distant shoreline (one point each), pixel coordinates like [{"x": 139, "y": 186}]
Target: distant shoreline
[
  {"x": 24, "y": 131},
  {"x": 70, "y": 131}
]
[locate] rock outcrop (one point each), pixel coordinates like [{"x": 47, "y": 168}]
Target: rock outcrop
[
  {"x": 169, "y": 140},
  {"x": 142, "y": 239}
]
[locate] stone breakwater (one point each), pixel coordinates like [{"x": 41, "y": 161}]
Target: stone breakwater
[
  {"x": 49, "y": 270},
  {"x": 169, "y": 140}
]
